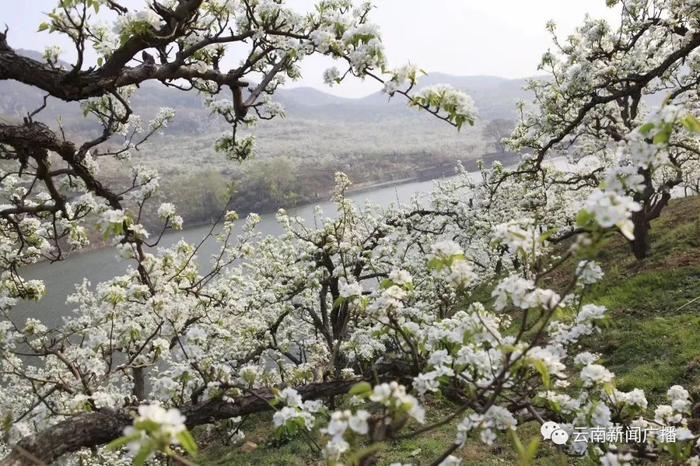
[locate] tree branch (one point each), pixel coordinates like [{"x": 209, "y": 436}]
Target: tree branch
[{"x": 94, "y": 429}]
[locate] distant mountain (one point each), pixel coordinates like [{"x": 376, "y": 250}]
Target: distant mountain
[
  {"x": 373, "y": 139},
  {"x": 310, "y": 97},
  {"x": 494, "y": 97}
]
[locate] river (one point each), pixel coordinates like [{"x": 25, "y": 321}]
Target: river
[{"x": 100, "y": 265}]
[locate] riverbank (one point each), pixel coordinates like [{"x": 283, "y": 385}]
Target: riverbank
[
  {"x": 444, "y": 169},
  {"x": 97, "y": 242},
  {"x": 649, "y": 342},
  {"x": 103, "y": 264}
]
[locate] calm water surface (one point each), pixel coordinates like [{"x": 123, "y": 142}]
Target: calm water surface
[{"x": 100, "y": 265}]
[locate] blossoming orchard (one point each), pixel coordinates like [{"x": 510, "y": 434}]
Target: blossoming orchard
[{"x": 345, "y": 334}]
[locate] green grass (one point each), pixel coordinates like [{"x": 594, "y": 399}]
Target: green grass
[
  {"x": 655, "y": 352},
  {"x": 652, "y": 338},
  {"x": 651, "y": 342},
  {"x": 420, "y": 450},
  {"x": 666, "y": 293}
]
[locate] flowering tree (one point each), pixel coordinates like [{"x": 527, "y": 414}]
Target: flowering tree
[
  {"x": 189, "y": 40},
  {"x": 624, "y": 100},
  {"x": 343, "y": 329},
  {"x": 52, "y": 191}
]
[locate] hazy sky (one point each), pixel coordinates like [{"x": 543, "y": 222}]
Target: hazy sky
[{"x": 462, "y": 37}]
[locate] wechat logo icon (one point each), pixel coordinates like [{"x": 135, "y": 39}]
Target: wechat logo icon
[{"x": 552, "y": 431}]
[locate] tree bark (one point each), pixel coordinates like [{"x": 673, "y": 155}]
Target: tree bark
[
  {"x": 71, "y": 85},
  {"x": 139, "y": 390},
  {"x": 98, "y": 428},
  {"x": 640, "y": 243},
  {"x": 651, "y": 210},
  {"x": 82, "y": 431}
]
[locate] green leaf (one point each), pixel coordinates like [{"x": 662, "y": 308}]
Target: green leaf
[
  {"x": 43, "y": 27},
  {"x": 584, "y": 218},
  {"x": 532, "y": 448},
  {"x": 147, "y": 425},
  {"x": 662, "y": 137},
  {"x": 122, "y": 441},
  {"x": 360, "y": 388},
  {"x": 646, "y": 128},
  {"x": 7, "y": 422},
  {"x": 518, "y": 444},
  {"x": 526, "y": 455},
  {"x": 507, "y": 349},
  {"x": 691, "y": 123},
  {"x": 187, "y": 442},
  {"x": 548, "y": 234},
  {"x": 542, "y": 368},
  {"x": 339, "y": 302},
  {"x": 436, "y": 264},
  {"x": 609, "y": 388},
  {"x": 142, "y": 455},
  {"x": 364, "y": 453}
]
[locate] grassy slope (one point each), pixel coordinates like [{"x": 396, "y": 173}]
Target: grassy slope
[{"x": 652, "y": 342}]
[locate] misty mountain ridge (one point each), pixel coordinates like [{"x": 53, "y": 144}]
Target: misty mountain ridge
[
  {"x": 495, "y": 98},
  {"x": 373, "y": 139}
]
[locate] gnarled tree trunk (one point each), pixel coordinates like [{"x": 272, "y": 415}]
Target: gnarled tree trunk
[
  {"x": 98, "y": 428},
  {"x": 640, "y": 243}
]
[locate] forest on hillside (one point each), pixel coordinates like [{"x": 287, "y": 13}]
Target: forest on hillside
[{"x": 374, "y": 140}]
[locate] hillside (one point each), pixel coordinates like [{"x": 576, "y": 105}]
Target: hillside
[
  {"x": 373, "y": 139},
  {"x": 494, "y": 97},
  {"x": 650, "y": 343}
]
